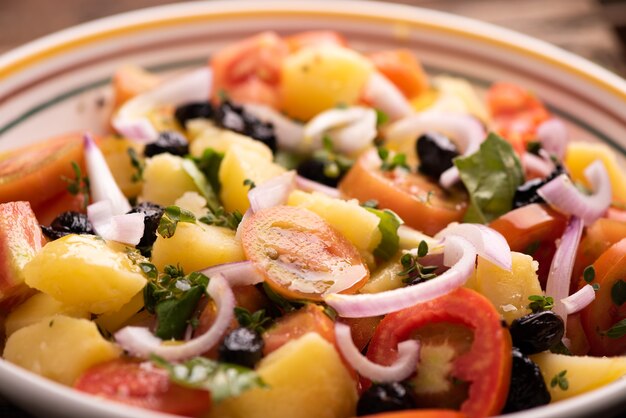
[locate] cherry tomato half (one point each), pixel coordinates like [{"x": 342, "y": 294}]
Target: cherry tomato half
[
  {"x": 420, "y": 413},
  {"x": 421, "y": 203},
  {"x": 149, "y": 387},
  {"x": 300, "y": 254},
  {"x": 601, "y": 314},
  {"x": 465, "y": 355},
  {"x": 403, "y": 69}
]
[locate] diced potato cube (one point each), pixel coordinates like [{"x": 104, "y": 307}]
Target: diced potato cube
[
  {"x": 165, "y": 180},
  {"x": 194, "y": 203},
  {"x": 508, "y": 290},
  {"x": 113, "y": 321},
  {"x": 239, "y": 164},
  {"x": 82, "y": 271},
  {"x": 319, "y": 78},
  {"x": 385, "y": 277},
  {"x": 352, "y": 220},
  {"x": 582, "y": 373},
  {"x": 306, "y": 379},
  {"x": 115, "y": 152},
  {"x": 221, "y": 140},
  {"x": 60, "y": 348},
  {"x": 37, "y": 308},
  {"x": 211, "y": 245}
]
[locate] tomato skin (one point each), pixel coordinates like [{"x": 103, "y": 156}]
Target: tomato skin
[
  {"x": 47, "y": 211},
  {"x": 403, "y": 69},
  {"x": 307, "y": 39},
  {"x": 249, "y": 70},
  {"x": 420, "y": 413},
  {"x": 292, "y": 247},
  {"x": 487, "y": 363},
  {"x": 362, "y": 329},
  {"x": 601, "y": 314},
  {"x": 147, "y": 387},
  {"x": 534, "y": 225},
  {"x": 406, "y": 195}
]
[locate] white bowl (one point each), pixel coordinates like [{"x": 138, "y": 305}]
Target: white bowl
[{"x": 60, "y": 83}]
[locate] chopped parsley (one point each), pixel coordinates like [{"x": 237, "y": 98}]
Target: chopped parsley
[
  {"x": 539, "y": 303},
  {"x": 392, "y": 160},
  {"x": 414, "y": 271},
  {"x": 79, "y": 184},
  {"x": 617, "y": 331},
  {"x": 618, "y": 293},
  {"x": 560, "y": 380},
  {"x": 222, "y": 218}
]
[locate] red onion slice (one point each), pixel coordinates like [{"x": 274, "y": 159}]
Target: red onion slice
[
  {"x": 351, "y": 129},
  {"x": 288, "y": 133},
  {"x": 561, "y": 194},
  {"x": 101, "y": 182},
  {"x": 273, "y": 192},
  {"x": 241, "y": 273},
  {"x": 312, "y": 186},
  {"x": 404, "y": 366},
  {"x": 140, "y": 342},
  {"x": 553, "y": 137},
  {"x": 127, "y": 228},
  {"x": 459, "y": 255},
  {"x": 383, "y": 95},
  {"x": 489, "y": 243},
  {"x": 535, "y": 164},
  {"x": 130, "y": 119},
  {"x": 560, "y": 273},
  {"x": 579, "y": 300}
]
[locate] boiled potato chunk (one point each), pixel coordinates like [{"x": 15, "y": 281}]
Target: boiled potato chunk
[
  {"x": 580, "y": 154},
  {"x": 222, "y": 139},
  {"x": 115, "y": 151},
  {"x": 113, "y": 321},
  {"x": 508, "y": 290},
  {"x": 60, "y": 348},
  {"x": 239, "y": 164},
  {"x": 211, "y": 245},
  {"x": 385, "y": 277},
  {"x": 194, "y": 203},
  {"x": 583, "y": 373},
  {"x": 165, "y": 180},
  {"x": 352, "y": 220},
  {"x": 306, "y": 379},
  {"x": 37, "y": 308},
  {"x": 82, "y": 271},
  {"x": 319, "y": 78}
]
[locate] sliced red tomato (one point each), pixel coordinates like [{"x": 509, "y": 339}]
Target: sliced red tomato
[
  {"x": 601, "y": 314},
  {"x": 465, "y": 354},
  {"x": 143, "y": 386},
  {"x": 421, "y": 203},
  {"x": 63, "y": 202},
  {"x": 403, "y": 69},
  {"x": 249, "y": 70},
  {"x": 516, "y": 113},
  {"x": 362, "y": 329},
  {"x": 300, "y": 254},
  {"x": 533, "y": 229},
  {"x": 315, "y": 38},
  {"x": 578, "y": 342},
  {"x": 35, "y": 173},
  {"x": 420, "y": 413}
]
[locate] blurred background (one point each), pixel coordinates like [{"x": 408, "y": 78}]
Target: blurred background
[{"x": 594, "y": 29}]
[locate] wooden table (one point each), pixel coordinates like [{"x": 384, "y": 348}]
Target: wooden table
[{"x": 580, "y": 26}]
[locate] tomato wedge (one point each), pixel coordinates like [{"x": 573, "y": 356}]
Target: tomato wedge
[
  {"x": 403, "y": 69},
  {"x": 148, "y": 387},
  {"x": 421, "y": 203},
  {"x": 420, "y": 413},
  {"x": 300, "y": 254},
  {"x": 465, "y": 357},
  {"x": 604, "y": 312},
  {"x": 314, "y": 38}
]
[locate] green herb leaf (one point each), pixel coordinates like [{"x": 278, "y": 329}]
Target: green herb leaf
[
  {"x": 79, "y": 184},
  {"x": 249, "y": 183},
  {"x": 334, "y": 164},
  {"x": 560, "y": 348},
  {"x": 221, "y": 379},
  {"x": 388, "y": 227},
  {"x": 539, "y": 303},
  {"x": 589, "y": 274},
  {"x": 283, "y": 304},
  {"x": 255, "y": 321},
  {"x": 560, "y": 380},
  {"x": 491, "y": 176},
  {"x": 170, "y": 219},
  {"x": 381, "y": 117},
  {"x": 222, "y": 218},
  {"x": 392, "y": 160},
  {"x": 617, "y": 331},
  {"x": 174, "y": 314},
  {"x": 202, "y": 184},
  {"x": 137, "y": 164},
  {"x": 209, "y": 163},
  {"x": 414, "y": 271},
  {"x": 618, "y": 293}
]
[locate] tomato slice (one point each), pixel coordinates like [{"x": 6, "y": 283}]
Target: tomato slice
[
  {"x": 533, "y": 230},
  {"x": 420, "y": 413},
  {"x": 465, "y": 351},
  {"x": 47, "y": 211},
  {"x": 421, "y": 203},
  {"x": 300, "y": 254},
  {"x": 403, "y": 69},
  {"x": 144, "y": 386},
  {"x": 601, "y": 314},
  {"x": 315, "y": 38},
  {"x": 249, "y": 70}
]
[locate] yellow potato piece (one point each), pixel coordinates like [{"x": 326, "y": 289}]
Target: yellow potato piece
[
  {"x": 221, "y": 140},
  {"x": 37, "y": 308},
  {"x": 239, "y": 164},
  {"x": 583, "y": 373},
  {"x": 580, "y": 154},
  {"x": 165, "y": 180},
  {"x": 319, "y": 78},
  {"x": 113, "y": 321},
  {"x": 306, "y": 379},
  {"x": 59, "y": 348},
  {"x": 83, "y": 272},
  {"x": 115, "y": 152},
  {"x": 197, "y": 246},
  {"x": 507, "y": 290},
  {"x": 385, "y": 277}
]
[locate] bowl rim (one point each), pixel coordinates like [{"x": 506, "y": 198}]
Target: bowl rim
[{"x": 69, "y": 40}]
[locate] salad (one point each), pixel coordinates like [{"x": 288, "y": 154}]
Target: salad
[{"x": 300, "y": 229}]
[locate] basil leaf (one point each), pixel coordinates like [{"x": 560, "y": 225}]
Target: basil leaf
[
  {"x": 223, "y": 380},
  {"x": 618, "y": 293},
  {"x": 202, "y": 184},
  {"x": 170, "y": 219},
  {"x": 173, "y": 314},
  {"x": 618, "y": 330},
  {"x": 209, "y": 164},
  {"x": 491, "y": 176},
  {"x": 388, "y": 227}
]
